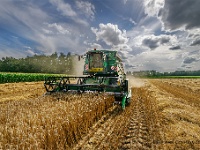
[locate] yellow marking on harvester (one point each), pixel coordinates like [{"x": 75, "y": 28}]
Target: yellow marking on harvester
[{"x": 96, "y": 69}]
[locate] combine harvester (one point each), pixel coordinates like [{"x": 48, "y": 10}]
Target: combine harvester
[{"x": 104, "y": 72}]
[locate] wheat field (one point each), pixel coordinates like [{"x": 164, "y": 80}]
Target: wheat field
[
  {"x": 50, "y": 122},
  {"x": 163, "y": 114}
]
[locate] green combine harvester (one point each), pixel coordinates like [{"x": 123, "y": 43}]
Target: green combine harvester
[{"x": 104, "y": 72}]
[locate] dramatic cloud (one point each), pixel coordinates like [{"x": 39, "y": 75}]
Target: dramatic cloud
[
  {"x": 189, "y": 60},
  {"x": 150, "y": 34},
  {"x": 110, "y": 34},
  {"x": 155, "y": 41},
  {"x": 195, "y": 53},
  {"x": 175, "y": 14},
  {"x": 195, "y": 42},
  {"x": 151, "y": 43},
  {"x": 180, "y": 14},
  {"x": 175, "y": 47}
]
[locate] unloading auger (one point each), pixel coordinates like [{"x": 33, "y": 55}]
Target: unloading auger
[{"x": 103, "y": 72}]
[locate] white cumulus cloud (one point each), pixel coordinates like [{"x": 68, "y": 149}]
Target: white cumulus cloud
[{"x": 110, "y": 34}]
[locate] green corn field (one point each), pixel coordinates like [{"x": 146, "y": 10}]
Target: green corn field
[{"x": 23, "y": 77}]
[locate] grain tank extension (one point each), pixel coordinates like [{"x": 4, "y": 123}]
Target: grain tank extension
[{"x": 103, "y": 72}]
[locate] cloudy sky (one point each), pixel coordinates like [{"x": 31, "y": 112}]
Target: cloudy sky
[{"x": 162, "y": 35}]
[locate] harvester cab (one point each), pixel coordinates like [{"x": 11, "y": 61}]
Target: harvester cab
[{"x": 104, "y": 72}]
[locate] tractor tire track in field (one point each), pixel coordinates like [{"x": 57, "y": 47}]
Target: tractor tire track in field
[
  {"x": 100, "y": 132},
  {"x": 143, "y": 129},
  {"x": 129, "y": 129},
  {"x": 137, "y": 134}
]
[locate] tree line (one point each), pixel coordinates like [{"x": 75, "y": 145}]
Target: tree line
[
  {"x": 154, "y": 73},
  {"x": 63, "y": 64},
  {"x": 55, "y": 63}
]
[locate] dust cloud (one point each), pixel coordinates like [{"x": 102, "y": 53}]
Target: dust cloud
[
  {"x": 78, "y": 66},
  {"x": 135, "y": 82}
]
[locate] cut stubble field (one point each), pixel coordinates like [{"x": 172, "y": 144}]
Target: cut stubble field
[{"x": 163, "y": 114}]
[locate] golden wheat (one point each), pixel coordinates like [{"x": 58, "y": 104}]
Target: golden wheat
[{"x": 56, "y": 121}]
